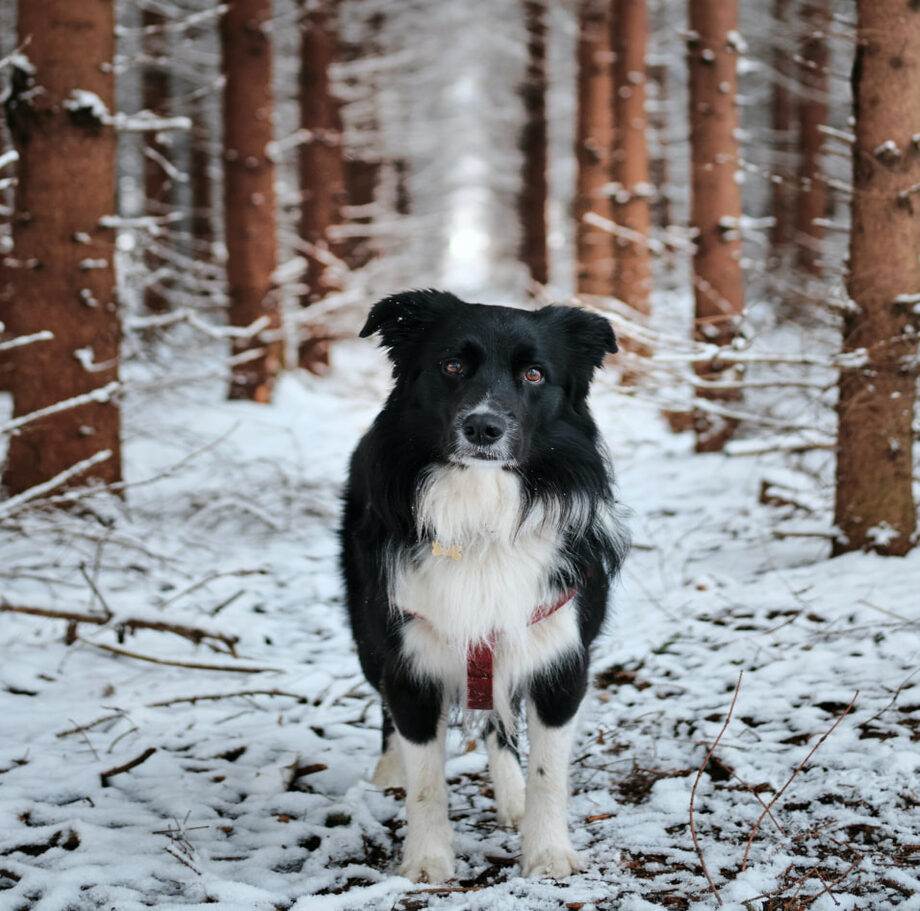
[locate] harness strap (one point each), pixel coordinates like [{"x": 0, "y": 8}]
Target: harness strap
[{"x": 479, "y": 656}]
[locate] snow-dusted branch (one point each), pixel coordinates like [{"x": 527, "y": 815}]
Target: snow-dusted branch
[
  {"x": 146, "y": 122},
  {"x": 21, "y": 340},
  {"x": 100, "y": 395},
  {"x": 159, "y": 321},
  {"x": 177, "y": 25},
  {"x": 14, "y": 504}
]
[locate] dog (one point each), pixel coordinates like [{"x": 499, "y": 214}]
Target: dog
[{"x": 479, "y": 540}]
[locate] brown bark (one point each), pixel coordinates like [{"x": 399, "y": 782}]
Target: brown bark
[
  {"x": 594, "y": 259},
  {"x": 323, "y": 190},
  {"x": 781, "y": 121},
  {"x": 812, "y": 189},
  {"x": 874, "y": 507},
  {"x": 249, "y": 190},
  {"x": 631, "y": 197},
  {"x": 361, "y": 176},
  {"x": 200, "y": 184},
  {"x": 715, "y": 205},
  {"x": 362, "y": 163},
  {"x": 6, "y": 363},
  {"x": 62, "y": 275},
  {"x": 658, "y": 161},
  {"x": 158, "y": 189},
  {"x": 322, "y": 158},
  {"x": 532, "y": 199}
]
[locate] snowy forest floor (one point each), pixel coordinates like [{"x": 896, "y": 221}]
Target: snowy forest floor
[{"x": 252, "y": 791}]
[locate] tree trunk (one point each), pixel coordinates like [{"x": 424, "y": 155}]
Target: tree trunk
[
  {"x": 62, "y": 275},
  {"x": 200, "y": 183},
  {"x": 631, "y": 198},
  {"x": 532, "y": 200},
  {"x": 6, "y": 208},
  {"x": 363, "y": 164},
  {"x": 659, "y": 175},
  {"x": 874, "y": 506},
  {"x": 158, "y": 189},
  {"x": 781, "y": 121},
  {"x": 322, "y": 160},
  {"x": 322, "y": 166},
  {"x": 249, "y": 190},
  {"x": 594, "y": 128},
  {"x": 715, "y": 206},
  {"x": 812, "y": 194}
]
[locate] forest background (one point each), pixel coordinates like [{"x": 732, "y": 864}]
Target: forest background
[{"x": 198, "y": 204}]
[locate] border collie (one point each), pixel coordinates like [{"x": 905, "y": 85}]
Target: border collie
[{"x": 479, "y": 541}]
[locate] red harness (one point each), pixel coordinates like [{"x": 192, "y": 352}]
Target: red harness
[{"x": 479, "y": 656}]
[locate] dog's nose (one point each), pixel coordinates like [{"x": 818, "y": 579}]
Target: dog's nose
[{"x": 484, "y": 428}]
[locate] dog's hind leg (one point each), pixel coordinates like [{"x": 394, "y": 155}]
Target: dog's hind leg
[
  {"x": 389, "y": 772},
  {"x": 505, "y": 768}
]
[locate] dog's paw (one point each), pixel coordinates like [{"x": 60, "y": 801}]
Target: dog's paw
[
  {"x": 509, "y": 805},
  {"x": 428, "y": 866},
  {"x": 509, "y": 793},
  {"x": 554, "y": 861}
]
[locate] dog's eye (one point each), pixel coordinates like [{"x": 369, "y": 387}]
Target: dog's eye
[
  {"x": 453, "y": 367},
  {"x": 533, "y": 375}
]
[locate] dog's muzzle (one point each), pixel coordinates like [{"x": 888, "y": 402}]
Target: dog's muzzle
[{"x": 485, "y": 434}]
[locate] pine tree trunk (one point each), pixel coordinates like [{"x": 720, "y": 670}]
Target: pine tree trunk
[
  {"x": 323, "y": 191},
  {"x": 532, "y": 199},
  {"x": 781, "y": 121},
  {"x": 363, "y": 164},
  {"x": 813, "y": 114},
  {"x": 874, "y": 504},
  {"x": 658, "y": 160},
  {"x": 594, "y": 129},
  {"x": 631, "y": 198},
  {"x": 322, "y": 157},
  {"x": 249, "y": 190},
  {"x": 6, "y": 199},
  {"x": 158, "y": 189},
  {"x": 200, "y": 184},
  {"x": 715, "y": 207},
  {"x": 62, "y": 277}
]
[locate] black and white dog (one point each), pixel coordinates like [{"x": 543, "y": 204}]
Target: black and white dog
[{"x": 479, "y": 541}]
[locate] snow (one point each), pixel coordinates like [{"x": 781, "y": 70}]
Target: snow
[
  {"x": 82, "y": 100},
  {"x": 261, "y": 800}
]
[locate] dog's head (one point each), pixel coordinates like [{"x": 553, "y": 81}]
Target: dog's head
[{"x": 479, "y": 382}]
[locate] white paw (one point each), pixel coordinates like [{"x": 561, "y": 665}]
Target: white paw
[
  {"x": 509, "y": 802},
  {"x": 555, "y": 862},
  {"x": 428, "y": 866}
]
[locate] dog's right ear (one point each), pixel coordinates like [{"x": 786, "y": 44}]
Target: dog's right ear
[{"x": 403, "y": 317}]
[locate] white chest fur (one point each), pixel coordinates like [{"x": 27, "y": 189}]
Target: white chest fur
[{"x": 488, "y": 574}]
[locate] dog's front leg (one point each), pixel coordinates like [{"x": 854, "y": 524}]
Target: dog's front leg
[
  {"x": 421, "y": 724},
  {"x": 428, "y": 855},
  {"x": 546, "y": 849}
]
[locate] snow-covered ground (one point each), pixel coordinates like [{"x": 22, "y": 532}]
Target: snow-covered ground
[{"x": 252, "y": 791}]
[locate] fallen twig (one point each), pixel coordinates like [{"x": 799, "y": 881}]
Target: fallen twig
[
  {"x": 789, "y": 780},
  {"x": 699, "y": 775},
  {"x": 117, "y": 770},
  {"x": 210, "y": 697},
  {"x": 192, "y": 633},
  {"x": 191, "y": 665}
]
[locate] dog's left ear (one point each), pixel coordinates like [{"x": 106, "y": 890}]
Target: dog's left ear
[
  {"x": 586, "y": 333},
  {"x": 401, "y": 318},
  {"x": 586, "y": 338}
]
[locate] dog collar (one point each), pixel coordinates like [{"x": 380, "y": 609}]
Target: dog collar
[{"x": 480, "y": 655}]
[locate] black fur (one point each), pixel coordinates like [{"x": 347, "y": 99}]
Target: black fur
[{"x": 551, "y": 441}]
